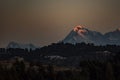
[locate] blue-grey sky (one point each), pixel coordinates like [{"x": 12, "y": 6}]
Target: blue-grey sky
[{"x": 42, "y": 22}]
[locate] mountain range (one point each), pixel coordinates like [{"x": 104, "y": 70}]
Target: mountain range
[{"x": 81, "y": 34}]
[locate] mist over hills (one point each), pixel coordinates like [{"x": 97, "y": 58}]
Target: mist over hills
[{"x": 81, "y": 34}]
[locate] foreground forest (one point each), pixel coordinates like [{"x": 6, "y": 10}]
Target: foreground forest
[
  {"x": 87, "y": 70},
  {"x": 61, "y": 61}
]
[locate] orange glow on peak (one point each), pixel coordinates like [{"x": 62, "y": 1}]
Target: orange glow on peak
[{"x": 77, "y": 28}]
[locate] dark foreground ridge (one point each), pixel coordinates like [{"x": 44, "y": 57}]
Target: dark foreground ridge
[{"x": 63, "y": 54}]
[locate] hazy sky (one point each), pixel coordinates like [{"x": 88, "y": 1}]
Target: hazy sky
[{"x": 42, "y": 22}]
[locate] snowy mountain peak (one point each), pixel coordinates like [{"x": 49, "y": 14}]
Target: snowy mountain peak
[{"x": 81, "y": 34}]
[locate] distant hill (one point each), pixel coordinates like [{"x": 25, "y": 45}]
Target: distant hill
[{"x": 22, "y": 46}]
